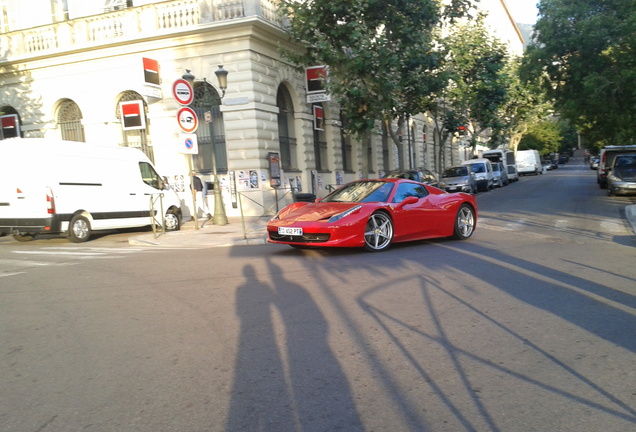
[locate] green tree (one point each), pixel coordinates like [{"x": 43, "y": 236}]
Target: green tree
[
  {"x": 382, "y": 54},
  {"x": 476, "y": 86},
  {"x": 525, "y": 105},
  {"x": 586, "y": 52},
  {"x": 544, "y": 136}
]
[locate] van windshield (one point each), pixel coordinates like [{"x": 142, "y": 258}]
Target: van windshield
[
  {"x": 149, "y": 175},
  {"x": 456, "y": 172},
  {"x": 478, "y": 167}
]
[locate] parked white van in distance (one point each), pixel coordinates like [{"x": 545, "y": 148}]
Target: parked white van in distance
[
  {"x": 483, "y": 173},
  {"x": 529, "y": 162},
  {"x": 507, "y": 157},
  {"x": 72, "y": 188}
]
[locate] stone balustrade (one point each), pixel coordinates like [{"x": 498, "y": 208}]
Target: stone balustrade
[{"x": 166, "y": 18}]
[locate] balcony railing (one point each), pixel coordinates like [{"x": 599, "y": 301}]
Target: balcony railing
[{"x": 139, "y": 22}]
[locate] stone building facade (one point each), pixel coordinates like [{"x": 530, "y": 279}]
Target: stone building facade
[{"x": 106, "y": 75}]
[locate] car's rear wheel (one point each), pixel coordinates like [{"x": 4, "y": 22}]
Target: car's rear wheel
[
  {"x": 464, "y": 222},
  {"x": 79, "y": 230},
  {"x": 378, "y": 234}
]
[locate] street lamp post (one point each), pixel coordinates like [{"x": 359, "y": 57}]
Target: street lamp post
[{"x": 219, "y": 217}]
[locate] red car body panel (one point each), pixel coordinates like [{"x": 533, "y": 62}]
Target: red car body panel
[{"x": 430, "y": 217}]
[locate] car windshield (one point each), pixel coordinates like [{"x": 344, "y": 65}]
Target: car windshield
[
  {"x": 456, "y": 172},
  {"x": 362, "y": 191}
]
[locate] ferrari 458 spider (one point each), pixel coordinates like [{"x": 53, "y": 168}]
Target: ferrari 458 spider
[{"x": 374, "y": 214}]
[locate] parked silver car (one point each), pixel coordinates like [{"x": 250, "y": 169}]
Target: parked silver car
[
  {"x": 458, "y": 179},
  {"x": 500, "y": 174},
  {"x": 513, "y": 175},
  {"x": 621, "y": 178}
]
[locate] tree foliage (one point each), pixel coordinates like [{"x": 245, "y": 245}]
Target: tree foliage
[
  {"x": 478, "y": 82},
  {"x": 524, "y": 106},
  {"x": 586, "y": 51},
  {"x": 544, "y": 136},
  {"x": 382, "y": 54}
]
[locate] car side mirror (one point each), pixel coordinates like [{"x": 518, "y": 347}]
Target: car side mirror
[
  {"x": 408, "y": 200},
  {"x": 162, "y": 183}
]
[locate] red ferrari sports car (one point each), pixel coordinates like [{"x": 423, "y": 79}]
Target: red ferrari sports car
[{"x": 374, "y": 214}]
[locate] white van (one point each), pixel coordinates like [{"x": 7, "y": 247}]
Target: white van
[
  {"x": 483, "y": 173},
  {"x": 506, "y": 157},
  {"x": 74, "y": 188},
  {"x": 529, "y": 162}
]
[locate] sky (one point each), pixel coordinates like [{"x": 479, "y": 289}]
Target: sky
[{"x": 523, "y": 11}]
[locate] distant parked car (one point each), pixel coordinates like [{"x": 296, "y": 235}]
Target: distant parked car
[
  {"x": 564, "y": 158},
  {"x": 594, "y": 163},
  {"x": 621, "y": 179},
  {"x": 500, "y": 174},
  {"x": 458, "y": 179},
  {"x": 513, "y": 175},
  {"x": 421, "y": 175},
  {"x": 549, "y": 164}
]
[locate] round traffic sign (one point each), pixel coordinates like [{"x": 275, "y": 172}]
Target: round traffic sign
[
  {"x": 182, "y": 92},
  {"x": 187, "y": 118}
]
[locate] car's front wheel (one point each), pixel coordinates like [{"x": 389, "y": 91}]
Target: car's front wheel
[
  {"x": 173, "y": 220},
  {"x": 378, "y": 234},
  {"x": 464, "y": 222}
]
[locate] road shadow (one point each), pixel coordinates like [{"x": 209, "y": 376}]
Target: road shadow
[{"x": 286, "y": 376}]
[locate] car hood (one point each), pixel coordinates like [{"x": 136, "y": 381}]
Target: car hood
[
  {"x": 625, "y": 173},
  {"x": 460, "y": 179},
  {"x": 315, "y": 211}
]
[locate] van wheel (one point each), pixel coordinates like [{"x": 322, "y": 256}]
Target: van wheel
[
  {"x": 23, "y": 237},
  {"x": 79, "y": 230},
  {"x": 173, "y": 220}
]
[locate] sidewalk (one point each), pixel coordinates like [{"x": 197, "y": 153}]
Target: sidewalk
[{"x": 208, "y": 235}]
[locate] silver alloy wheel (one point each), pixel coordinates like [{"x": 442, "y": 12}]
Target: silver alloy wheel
[
  {"x": 464, "y": 222},
  {"x": 172, "y": 221},
  {"x": 378, "y": 234},
  {"x": 80, "y": 229}
]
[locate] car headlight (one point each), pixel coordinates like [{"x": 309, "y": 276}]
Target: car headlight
[
  {"x": 339, "y": 216},
  {"x": 612, "y": 177}
]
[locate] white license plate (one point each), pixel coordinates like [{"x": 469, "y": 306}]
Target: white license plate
[{"x": 290, "y": 231}]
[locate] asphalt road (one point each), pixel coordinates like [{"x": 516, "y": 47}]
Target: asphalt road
[{"x": 528, "y": 326}]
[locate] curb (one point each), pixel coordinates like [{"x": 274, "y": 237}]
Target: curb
[{"x": 630, "y": 213}]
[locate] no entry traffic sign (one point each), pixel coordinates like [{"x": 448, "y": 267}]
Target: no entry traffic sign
[
  {"x": 182, "y": 92},
  {"x": 188, "y": 121}
]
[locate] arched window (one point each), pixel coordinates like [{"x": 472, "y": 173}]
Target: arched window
[
  {"x": 211, "y": 132},
  {"x": 286, "y": 132},
  {"x": 69, "y": 120},
  {"x": 135, "y": 131}
]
